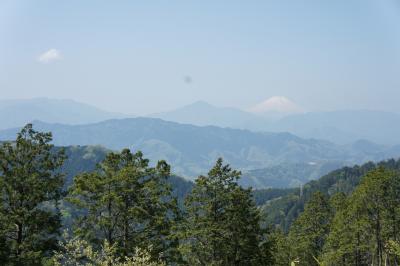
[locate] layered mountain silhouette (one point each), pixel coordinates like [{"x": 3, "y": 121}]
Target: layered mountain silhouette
[
  {"x": 204, "y": 114},
  {"x": 192, "y": 150},
  {"x": 15, "y": 113},
  {"x": 341, "y": 127}
]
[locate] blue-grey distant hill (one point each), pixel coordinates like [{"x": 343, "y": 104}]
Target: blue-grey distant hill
[
  {"x": 342, "y": 127},
  {"x": 204, "y": 114},
  {"x": 192, "y": 150},
  {"x": 16, "y": 113}
]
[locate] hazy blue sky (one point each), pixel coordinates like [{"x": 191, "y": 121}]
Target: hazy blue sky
[{"x": 147, "y": 56}]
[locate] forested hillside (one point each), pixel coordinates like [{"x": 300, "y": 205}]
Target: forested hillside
[
  {"x": 287, "y": 175},
  {"x": 283, "y": 210},
  {"x": 191, "y": 150},
  {"x": 85, "y": 158},
  {"x": 119, "y": 209},
  {"x": 81, "y": 159},
  {"x": 123, "y": 212},
  {"x": 280, "y": 206}
]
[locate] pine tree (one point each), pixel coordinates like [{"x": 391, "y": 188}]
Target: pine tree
[
  {"x": 223, "y": 224},
  {"x": 127, "y": 203},
  {"x": 31, "y": 187}
]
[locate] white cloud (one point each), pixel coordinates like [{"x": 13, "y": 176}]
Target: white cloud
[
  {"x": 49, "y": 56},
  {"x": 278, "y": 104}
]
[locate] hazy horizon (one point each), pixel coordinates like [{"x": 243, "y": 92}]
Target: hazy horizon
[
  {"x": 190, "y": 104},
  {"x": 142, "y": 58}
]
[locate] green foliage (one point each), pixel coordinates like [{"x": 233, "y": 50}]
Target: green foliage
[
  {"x": 127, "y": 203},
  {"x": 286, "y": 208},
  {"x": 78, "y": 252},
  {"x": 281, "y": 249},
  {"x": 125, "y": 212},
  {"x": 393, "y": 248},
  {"x": 364, "y": 229},
  {"x": 263, "y": 196},
  {"x": 84, "y": 159},
  {"x": 222, "y": 226},
  {"x": 30, "y": 188},
  {"x": 279, "y": 211},
  {"x": 81, "y": 159},
  {"x": 308, "y": 233}
]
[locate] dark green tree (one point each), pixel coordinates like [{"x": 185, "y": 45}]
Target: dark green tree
[
  {"x": 127, "y": 203},
  {"x": 222, "y": 226},
  {"x": 30, "y": 188},
  {"x": 309, "y": 231}
]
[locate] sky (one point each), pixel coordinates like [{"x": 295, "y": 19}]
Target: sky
[{"x": 141, "y": 57}]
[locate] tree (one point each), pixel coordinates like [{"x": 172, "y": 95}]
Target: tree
[
  {"x": 127, "y": 203},
  {"x": 222, "y": 226},
  {"x": 365, "y": 228},
  {"x": 281, "y": 248},
  {"x": 308, "y": 233},
  {"x": 31, "y": 187},
  {"x": 78, "y": 252},
  {"x": 347, "y": 243}
]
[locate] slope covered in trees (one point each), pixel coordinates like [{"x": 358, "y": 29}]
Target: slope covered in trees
[
  {"x": 283, "y": 210},
  {"x": 125, "y": 211},
  {"x": 80, "y": 159},
  {"x": 287, "y": 175},
  {"x": 361, "y": 228},
  {"x": 191, "y": 150}
]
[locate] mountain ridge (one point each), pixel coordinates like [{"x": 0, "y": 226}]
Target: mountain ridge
[
  {"x": 18, "y": 112},
  {"x": 202, "y": 113},
  {"x": 340, "y": 127},
  {"x": 192, "y": 150}
]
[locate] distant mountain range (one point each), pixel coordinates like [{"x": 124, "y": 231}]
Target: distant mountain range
[
  {"x": 192, "y": 150},
  {"x": 16, "y": 113},
  {"x": 204, "y": 114},
  {"x": 341, "y": 127}
]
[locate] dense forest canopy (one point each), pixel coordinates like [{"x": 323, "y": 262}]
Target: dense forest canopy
[{"x": 91, "y": 206}]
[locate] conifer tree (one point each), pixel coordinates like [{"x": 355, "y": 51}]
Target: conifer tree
[
  {"x": 30, "y": 188},
  {"x": 308, "y": 233},
  {"x": 281, "y": 248},
  {"x": 223, "y": 224},
  {"x": 128, "y": 203}
]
